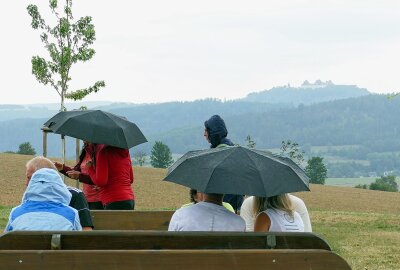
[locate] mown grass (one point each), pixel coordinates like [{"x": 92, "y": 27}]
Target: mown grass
[{"x": 364, "y": 240}]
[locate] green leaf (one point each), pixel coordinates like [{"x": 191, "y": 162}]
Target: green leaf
[
  {"x": 80, "y": 94},
  {"x": 53, "y": 4}
]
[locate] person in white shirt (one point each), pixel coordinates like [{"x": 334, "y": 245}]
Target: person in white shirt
[
  {"x": 249, "y": 215},
  {"x": 208, "y": 215},
  {"x": 279, "y": 215}
]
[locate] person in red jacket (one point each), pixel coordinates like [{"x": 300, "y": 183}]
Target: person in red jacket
[
  {"x": 111, "y": 170},
  {"x": 79, "y": 172}
]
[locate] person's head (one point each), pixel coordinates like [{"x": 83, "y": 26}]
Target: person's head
[
  {"x": 215, "y": 130},
  {"x": 213, "y": 198},
  {"x": 87, "y": 148},
  {"x": 195, "y": 196},
  {"x": 37, "y": 163},
  {"x": 281, "y": 202}
]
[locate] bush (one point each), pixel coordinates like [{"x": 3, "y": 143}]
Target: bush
[{"x": 385, "y": 183}]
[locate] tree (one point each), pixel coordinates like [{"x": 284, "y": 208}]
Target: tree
[
  {"x": 161, "y": 156},
  {"x": 26, "y": 149},
  {"x": 67, "y": 43},
  {"x": 316, "y": 170},
  {"x": 140, "y": 157},
  {"x": 385, "y": 183},
  {"x": 291, "y": 149},
  {"x": 250, "y": 142}
]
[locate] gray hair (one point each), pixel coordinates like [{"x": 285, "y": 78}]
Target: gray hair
[{"x": 40, "y": 162}]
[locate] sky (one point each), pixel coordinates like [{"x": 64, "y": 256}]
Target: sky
[{"x": 181, "y": 50}]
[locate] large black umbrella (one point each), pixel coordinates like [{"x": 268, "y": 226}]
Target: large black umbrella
[
  {"x": 97, "y": 126},
  {"x": 238, "y": 170}
]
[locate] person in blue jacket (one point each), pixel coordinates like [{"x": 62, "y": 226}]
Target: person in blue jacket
[
  {"x": 45, "y": 201},
  {"x": 216, "y": 134}
]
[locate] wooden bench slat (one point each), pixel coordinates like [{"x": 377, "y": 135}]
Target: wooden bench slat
[
  {"x": 131, "y": 220},
  {"x": 173, "y": 259},
  {"x": 134, "y": 240}
]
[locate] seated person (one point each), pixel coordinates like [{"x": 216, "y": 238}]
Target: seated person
[
  {"x": 207, "y": 215},
  {"x": 249, "y": 212},
  {"x": 196, "y": 197},
  {"x": 79, "y": 202},
  {"x": 45, "y": 201},
  {"x": 279, "y": 215}
]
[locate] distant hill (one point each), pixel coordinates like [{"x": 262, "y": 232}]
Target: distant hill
[
  {"x": 357, "y": 136},
  {"x": 46, "y": 110},
  {"x": 307, "y": 93}
]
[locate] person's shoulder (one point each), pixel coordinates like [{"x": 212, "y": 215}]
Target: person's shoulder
[
  {"x": 74, "y": 190},
  {"x": 297, "y": 203}
]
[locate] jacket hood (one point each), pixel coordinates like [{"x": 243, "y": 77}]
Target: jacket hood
[
  {"x": 47, "y": 185},
  {"x": 217, "y": 131}
]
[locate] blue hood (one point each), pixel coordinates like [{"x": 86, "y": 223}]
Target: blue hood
[
  {"x": 217, "y": 131},
  {"x": 47, "y": 185}
]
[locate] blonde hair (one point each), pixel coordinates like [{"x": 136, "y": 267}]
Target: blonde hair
[
  {"x": 281, "y": 202},
  {"x": 40, "y": 162}
]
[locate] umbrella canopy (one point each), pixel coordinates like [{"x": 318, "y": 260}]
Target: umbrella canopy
[
  {"x": 238, "y": 170},
  {"x": 97, "y": 126}
]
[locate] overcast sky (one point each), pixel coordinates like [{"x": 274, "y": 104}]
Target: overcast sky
[{"x": 156, "y": 50}]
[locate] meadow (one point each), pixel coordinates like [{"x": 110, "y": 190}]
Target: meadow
[{"x": 363, "y": 226}]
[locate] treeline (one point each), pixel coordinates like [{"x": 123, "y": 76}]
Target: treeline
[{"x": 369, "y": 124}]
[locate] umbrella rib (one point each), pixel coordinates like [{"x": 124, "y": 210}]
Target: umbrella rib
[
  {"x": 288, "y": 165},
  {"x": 217, "y": 166},
  {"x": 258, "y": 171}
]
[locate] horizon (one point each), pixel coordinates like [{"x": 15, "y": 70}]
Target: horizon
[
  {"x": 182, "y": 51},
  {"x": 69, "y": 102}
]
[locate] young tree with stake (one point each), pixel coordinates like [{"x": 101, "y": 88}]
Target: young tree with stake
[{"x": 68, "y": 43}]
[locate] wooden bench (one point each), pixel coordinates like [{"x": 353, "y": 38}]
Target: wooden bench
[
  {"x": 171, "y": 260},
  {"x": 131, "y": 220},
  {"x": 122, "y": 250},
  {"x": 135, "y": 240}
]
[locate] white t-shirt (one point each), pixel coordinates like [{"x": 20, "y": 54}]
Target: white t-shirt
[
  {"x": 283, "y": 222},
  {"x": 205, "y": 216},
  {"x": 246, "y": 212}
]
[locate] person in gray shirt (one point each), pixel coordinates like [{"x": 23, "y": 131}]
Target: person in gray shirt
[{"x": 208, "y": 215}]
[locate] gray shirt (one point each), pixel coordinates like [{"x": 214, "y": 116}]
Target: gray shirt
[{"x": 205, "y": 216}]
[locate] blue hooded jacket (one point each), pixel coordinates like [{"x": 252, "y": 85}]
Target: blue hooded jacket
[
  {"x": 217, "y": 131},
  {"x": 44, "y": 205}
]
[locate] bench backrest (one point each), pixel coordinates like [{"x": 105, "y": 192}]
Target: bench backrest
[
  {"x": 134, "y": 240},
  {"x": 131, "y": 220},
  {"x": 173, "y": 259}
]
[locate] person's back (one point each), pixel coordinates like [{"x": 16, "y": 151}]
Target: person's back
[
  {"x": 206, "y": 216},
  {"x": 79, "y": 202},
  {"x": 247, "y": 212},
  {"x": 44, "y": 205},
  {"x": 281, "y": 221},
  {"x": 113, "y": 174}
]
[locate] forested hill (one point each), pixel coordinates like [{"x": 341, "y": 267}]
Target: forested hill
[
  {"x": 372, "y": 121},
  {"x": 307, "y": 93}
]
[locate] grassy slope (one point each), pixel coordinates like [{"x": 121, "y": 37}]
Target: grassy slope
[{"x": 363, "y": 226}]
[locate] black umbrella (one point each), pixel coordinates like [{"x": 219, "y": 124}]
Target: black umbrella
[
  {"x": 97, "y": 126},
  {"x": 238, "y": 170}
]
